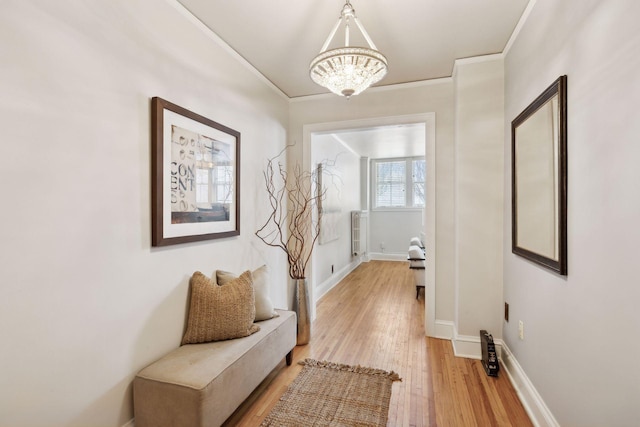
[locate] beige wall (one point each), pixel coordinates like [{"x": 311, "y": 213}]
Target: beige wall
[
  {"x": 580, "y": 349},
  {"x": 478, "y": 197},
  {"x": 85, "y": 302}
]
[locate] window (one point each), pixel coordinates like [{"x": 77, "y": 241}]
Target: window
[
  {"x": 214, "y": 176},
  {"x": 418, "y": 180},
  {"x": 202, "y": 185},
  {"x": 223, "y": 184},
  {"x": 390, "y": 184},
  {"x": 214, "y": 184},
  {"x": 399, "y": 183}
]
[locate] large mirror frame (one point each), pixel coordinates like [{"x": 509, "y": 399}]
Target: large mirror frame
[{"x": 539, "y": 179}]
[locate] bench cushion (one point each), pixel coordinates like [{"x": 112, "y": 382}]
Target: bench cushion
[{"x": 202, "y": 384}]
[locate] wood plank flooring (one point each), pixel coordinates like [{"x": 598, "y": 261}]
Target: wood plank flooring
[{"x": 372, "y": 318}]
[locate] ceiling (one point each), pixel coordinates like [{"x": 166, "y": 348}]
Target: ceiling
[
  {"x": 420, "y": 38},
  {"x": 405, "y": 140}
]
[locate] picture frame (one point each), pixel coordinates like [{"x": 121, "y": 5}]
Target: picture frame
[
  {"x": 195, "y": 176},
  {"x": 329, "y": 209},
  {"x": 539, "y": 179}
]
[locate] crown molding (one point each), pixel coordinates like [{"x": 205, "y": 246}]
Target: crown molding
[
  {"x": 519, "y": 25},
  {"x": 225, "y": 46}
]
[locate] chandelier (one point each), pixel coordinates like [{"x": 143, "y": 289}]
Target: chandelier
[{"x": 347, "y": 71}]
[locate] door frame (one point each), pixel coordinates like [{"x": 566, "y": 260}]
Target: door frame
[{"x": 429, "y": 119}]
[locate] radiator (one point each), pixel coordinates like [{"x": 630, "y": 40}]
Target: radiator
[{"x": 359, "y": 232}]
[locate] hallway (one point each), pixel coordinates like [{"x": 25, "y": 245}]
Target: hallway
[{"x": 372, "y": 318}]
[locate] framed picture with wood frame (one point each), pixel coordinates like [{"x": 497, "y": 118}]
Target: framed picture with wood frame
[{"x": 195, "y": 176}]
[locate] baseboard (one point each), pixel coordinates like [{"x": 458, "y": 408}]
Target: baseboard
[
  {"x": 130, "y": 423},
  {"x": 537, "y": 410},
  {"x": 469, "y": 346},
  {"x": 444, "y": 329},
  {"x": 324, "y": 287},
  {"x": 387, "y": 256},
  {"x": 463, "y": 345},
  {"x": 466, "y": 346}
]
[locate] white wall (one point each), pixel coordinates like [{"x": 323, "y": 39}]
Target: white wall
[
  {"x": 580, "y": 349},
  {"x": 85, "y": 302},
  {"x": 391, "y": 231},
  {"x": 344, "y": 165},
  {"x": 478, "y": 195}
]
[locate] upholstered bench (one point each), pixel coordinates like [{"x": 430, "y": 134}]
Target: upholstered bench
[{"x": 202, "y": 384}]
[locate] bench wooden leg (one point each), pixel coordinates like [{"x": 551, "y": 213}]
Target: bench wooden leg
[{"x": 289, "y": 358}]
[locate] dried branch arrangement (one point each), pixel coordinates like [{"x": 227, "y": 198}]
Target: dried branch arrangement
[{"x": 291, "y": 226}]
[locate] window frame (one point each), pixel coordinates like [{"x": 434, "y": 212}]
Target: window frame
[{"x": 408, "y": 184}]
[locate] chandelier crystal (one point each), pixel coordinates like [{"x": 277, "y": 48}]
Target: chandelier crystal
[{"x": 347, "y": 71}]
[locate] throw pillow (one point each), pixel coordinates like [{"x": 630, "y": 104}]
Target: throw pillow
[
  {"x": 264, "y": 306},
  {"x": 220, "y": 312}
]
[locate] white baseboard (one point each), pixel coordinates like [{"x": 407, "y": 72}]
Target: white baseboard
[
  {"x": 463, "y": 345},
  {"x": 466, "y": 346},
  {"x": 444, "y": 329},
  {"x": 469, "y": 346},
  {"x": 387, "y": 256},
  {"x": 538, "y": 411},
  {"x": 130, "y": 423},
  {"x": 335, "y": 278}
]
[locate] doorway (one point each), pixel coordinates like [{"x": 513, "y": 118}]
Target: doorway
[{"x": 360, "y": 131}]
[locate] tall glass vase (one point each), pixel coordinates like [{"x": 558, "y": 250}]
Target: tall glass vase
[{"x": 301, "y": 307}]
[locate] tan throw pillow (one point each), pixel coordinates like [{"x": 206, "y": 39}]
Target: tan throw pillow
[
  {"x": 264, "y": 306},
  {"x": 220, "y": 312}
]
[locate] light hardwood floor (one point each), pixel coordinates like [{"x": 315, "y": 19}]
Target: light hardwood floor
[{"x": 372, "y": 318}]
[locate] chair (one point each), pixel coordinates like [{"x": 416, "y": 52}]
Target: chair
[{"x": 417, "y": 263}]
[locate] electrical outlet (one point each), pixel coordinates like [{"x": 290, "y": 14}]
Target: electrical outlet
[
  {"x": 521, "y": 330},
  {"x": 506, "y": 311}
]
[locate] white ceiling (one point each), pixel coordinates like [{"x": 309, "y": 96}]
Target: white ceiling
[
  {"x": 406, "y": 140},
  {"x": 420, "y": 38}
]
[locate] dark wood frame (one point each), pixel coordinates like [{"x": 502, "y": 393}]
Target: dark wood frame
[
  {"x": 158, "y": 169},
  {"x": 559, "y": 87}
]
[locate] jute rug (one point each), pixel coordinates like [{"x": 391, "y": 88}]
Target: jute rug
[{"x": 330, "y": 394}]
